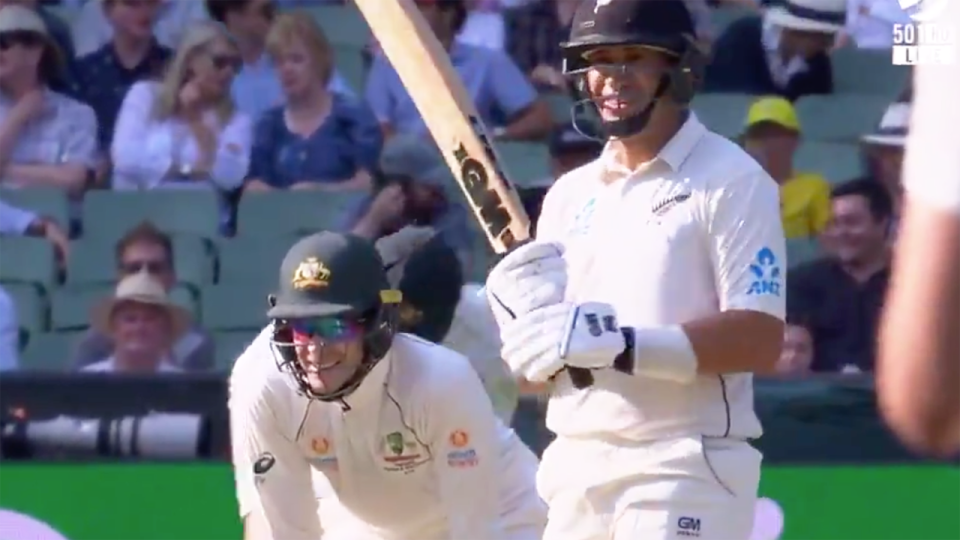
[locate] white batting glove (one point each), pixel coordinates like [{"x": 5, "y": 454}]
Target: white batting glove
[
  {"x": 544, "y": 341},
  {"x": 529, "y": 278}
]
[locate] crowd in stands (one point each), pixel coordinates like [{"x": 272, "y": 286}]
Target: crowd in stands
[{"x": 158, "y": 156}]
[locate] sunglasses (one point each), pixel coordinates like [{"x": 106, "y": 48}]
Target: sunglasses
[
  {"x": 330, "y": 329},
  {"x": 23, "y": 38},
  {"x": 150, "y": 267}
]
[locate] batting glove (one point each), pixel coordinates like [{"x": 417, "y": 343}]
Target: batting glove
[
  {"x": 531, "y": 277},
  {"x": 541, "y": 343}
]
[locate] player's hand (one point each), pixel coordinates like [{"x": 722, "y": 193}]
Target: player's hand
[
  {"x": 544, "y": 341},
  {"x": 532, "y": 276}
]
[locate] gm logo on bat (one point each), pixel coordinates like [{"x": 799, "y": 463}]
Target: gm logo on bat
[{"x": 476, "y": 180}]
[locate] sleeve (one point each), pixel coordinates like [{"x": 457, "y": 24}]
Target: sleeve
[
  {"x": 9, "y": 334},
  {"x": 271, "y": 474},
  {"x": 365, "y": 134},
  {"x": 232, "y": 161},
  {"x": 377, "y": 91},
  {"x": 463, "y": 439},
  {"x": 80, "y": 146},
  {"x": 820, "y": 207},
  {"x": 511, "y": 89},
  {"x": 747, "y": 245},
  {"x": 142, "y": 150},
  {"x": 14, "y": 220}
]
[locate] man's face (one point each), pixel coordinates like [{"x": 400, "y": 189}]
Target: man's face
[
  {"x": 140, "y": 330},
  {"x": 20, "y": 54},
  {"x": 797, "y": 353},
  {"x": 148, "y": 257},
  {"x": 329, "y": 351},
  {"x": 253, "y": 19},
  {"x": 133, "y": 18},
  {"x": 424, "y": 203},
  {"x": 773, "y": 146},
  {"x": 623, "y": 80},
  {"x": 855, "y": 234},
  {"x": 805, "y": 44}
]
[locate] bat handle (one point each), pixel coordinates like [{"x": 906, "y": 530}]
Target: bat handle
[{"x": 580, "y": 377}]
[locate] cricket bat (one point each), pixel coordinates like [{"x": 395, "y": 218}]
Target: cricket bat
[{"x": 448, "y": 111}]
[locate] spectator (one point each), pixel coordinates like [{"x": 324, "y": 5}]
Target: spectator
[
  {"x": 46, "y": 138},
  {"x": 143, "y": 325},
  {"x": 870, "y": 23},
  {"x": 797, "y": 354},
  {"x": 417, "y": 190},
  {"x": 145, "y": 249},
  {"x": 133, "y": 54},
  {"x": 257, "y": 87},
  {"x": 185, "y": 132},
  {"x": 534, "y": 32},
  {"x": 784, "y": 52},
  {"x": 15, "y": 221},
  {"x": 883, "y": 151},
  {"x": 841, "y": 295},
  {"x": 484, "y": 26},
  {"x": 319, "y": 139},
  {"x": 501, "y": 92},
  {"x": 772, "y": 136},
  {"x": 60, "y": 33},
  {"x": 92, "y": 30},
  {"x": 9, "y": 333}
]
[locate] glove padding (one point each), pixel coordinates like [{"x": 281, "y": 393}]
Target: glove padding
[
  {"x": 396, "y": 248},
  {"x": 531, "y": 277},
  {"x": 541, "y": 343}
]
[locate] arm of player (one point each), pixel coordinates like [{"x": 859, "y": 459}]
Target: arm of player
[
  {"x": 272, "y": 476},
  {"x": 463, "y": 439}
]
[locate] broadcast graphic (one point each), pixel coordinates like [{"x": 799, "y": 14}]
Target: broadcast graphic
[{"x": 928, "y": 38}]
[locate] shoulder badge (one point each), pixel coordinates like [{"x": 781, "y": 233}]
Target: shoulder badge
[{"x": 311, "y": 274}]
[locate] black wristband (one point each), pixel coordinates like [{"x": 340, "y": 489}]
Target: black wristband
[{"x": 625, "y": 360}]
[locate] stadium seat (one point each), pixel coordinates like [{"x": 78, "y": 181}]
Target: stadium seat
[
  {"x": 343, "y": 25},
  {"x": 284, "y": 213},
  {"x": 235, "y": 306},
  {"x": 31, "y": 306},
  {"x": 49, "y": 351},
  {"x": 837, "y": 162},
  {"x": 70, "y": 306},
  {"x": 110, "y": 214},
  {"x": 560, "y": 106},
  {"x": 48, "y": 202},
  {"x": 801, "y": 250},
  {"x": 93, "y": 260},
  {"x": 27, "y": 260},
  {"x": 230, "y": 344},
  {"x": 723, "y": 113},
  {"x": 526, "y": 163},
  {"x": 839, "y": 117},
  {"x": 859, "y": 71},
  {"x": 244, "y": 259},
  {"x": 350, "y": 65}
]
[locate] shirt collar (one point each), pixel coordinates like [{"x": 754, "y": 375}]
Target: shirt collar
[{"x": 673, "y": 154}]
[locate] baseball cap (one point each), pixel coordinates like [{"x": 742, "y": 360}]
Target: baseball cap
[
  {"x": 773, "y": 110},
  {"x": 326, "y": 274}
]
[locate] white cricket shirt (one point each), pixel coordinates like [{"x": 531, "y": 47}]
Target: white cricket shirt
[
  {"x": 692, "y": 233},
  {"x": 419, "y": 453},
  {"x": 932, "y": 163}
]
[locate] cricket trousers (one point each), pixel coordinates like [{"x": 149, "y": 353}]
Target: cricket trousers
[{"x": 689, "y": 488}]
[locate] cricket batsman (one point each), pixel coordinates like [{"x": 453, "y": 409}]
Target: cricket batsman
[
  {"x": 658, "y": 271},
  {"x": 344, "y": 430},
  {"x": 918, "y": 365}
]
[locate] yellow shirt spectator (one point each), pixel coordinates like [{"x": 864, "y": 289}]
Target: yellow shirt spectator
[{"x": 804, "y": 205}]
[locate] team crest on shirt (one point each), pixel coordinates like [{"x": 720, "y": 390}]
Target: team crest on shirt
[
  {"x": 402, "y": 453},
  {"x": 584, "y": 218}
]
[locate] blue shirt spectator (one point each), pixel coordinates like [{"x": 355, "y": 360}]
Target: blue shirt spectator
[
  {"x": 347, "y": 142},
  {"x": 501, "y": 92}
]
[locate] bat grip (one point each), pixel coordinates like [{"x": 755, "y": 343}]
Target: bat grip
[{"x": 580, "y": 377}]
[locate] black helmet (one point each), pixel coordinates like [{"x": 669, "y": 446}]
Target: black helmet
[
  {"x": 662, "y": 25},
  {"x": 334, "y": 274}
]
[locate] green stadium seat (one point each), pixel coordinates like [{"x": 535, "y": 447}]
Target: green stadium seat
[
  {"x": 343, "y": 25},
  {"x": 110, "y": 214},
  {"x": 723, "y": 113},
  {"x": 49, "y": 351},
  {"x": 183, "y": 296},
  {"x": 93, "y": 260},
  {"x": 230, "y": 344},
  {"x": 70, "y": 306},
  {"x": 526, "y": 163},
  {"x": 27, "y": 260},
  {"x": 48, "y": 202},
  {"x": 244, "y": 259},
  {"x": 31, "y": 306},
  {"x": 859, "y": 71},
  {"x": 837, "y": 162},
  {"x": 801, "y": 250},
  {"x": 560, "y": 106},
  {"x": 839, "y": 117},
  {"x": 235, "y": 306},
  {"x": 350, "y": 65},
  {"x": 285, "y": 213}
]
